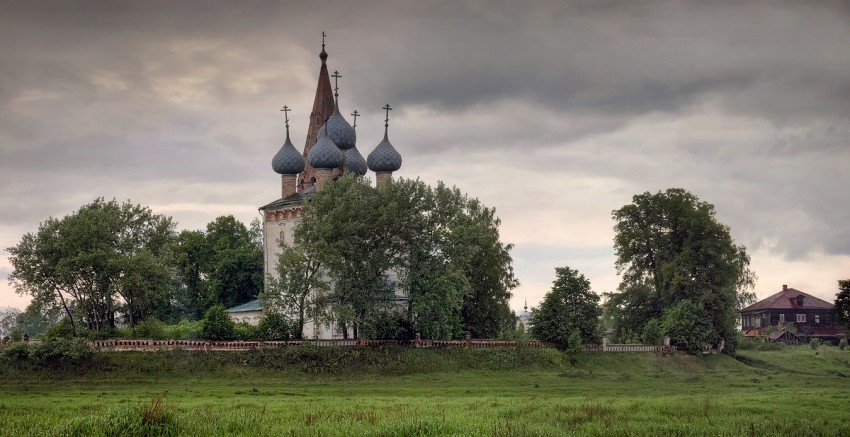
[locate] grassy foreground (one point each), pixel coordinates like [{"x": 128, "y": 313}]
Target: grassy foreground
[{"x": 415, "y": 392}]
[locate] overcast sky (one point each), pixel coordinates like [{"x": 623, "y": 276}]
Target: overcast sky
[{"x": 555, "y": 113}]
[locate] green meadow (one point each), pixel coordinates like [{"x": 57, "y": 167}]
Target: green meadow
[{"x": 410, "y": 392}]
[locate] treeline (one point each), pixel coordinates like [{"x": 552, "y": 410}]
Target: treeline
[{"x": 113, "y": 264}]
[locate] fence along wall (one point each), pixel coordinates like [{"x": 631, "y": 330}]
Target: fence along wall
[{"x": 205, "y": 345}]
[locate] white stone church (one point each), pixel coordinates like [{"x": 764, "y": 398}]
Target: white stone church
[{"x": 329, "y": 151}]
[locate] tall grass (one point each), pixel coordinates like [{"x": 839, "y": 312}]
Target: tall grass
[{"x": 442, "y": 392}]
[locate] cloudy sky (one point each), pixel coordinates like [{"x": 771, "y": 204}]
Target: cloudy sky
[{"x": 555, "y": 113}]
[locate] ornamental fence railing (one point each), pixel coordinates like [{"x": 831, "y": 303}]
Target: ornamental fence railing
[{"x": 238, "y": 345}]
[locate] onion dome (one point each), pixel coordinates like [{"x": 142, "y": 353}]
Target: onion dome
[
  {"x": 340, "y": 132},
  {"x": 384, "y": 158},
  {"x": 324, "y": 154},
  {"x": 288, "y": 160},
  {"x": 355, "y": 162}
]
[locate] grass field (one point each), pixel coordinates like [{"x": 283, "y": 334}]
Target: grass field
[{"x": 789, "y": 392}]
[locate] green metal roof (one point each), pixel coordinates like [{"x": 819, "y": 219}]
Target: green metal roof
[{"x": 253, "y": 305}]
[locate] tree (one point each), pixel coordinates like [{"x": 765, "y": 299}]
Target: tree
[
  {"x": 842, "y": 301},
  {"x": 295, "y": 290},
  {"x": 570, "y": 305},
  {"x": 435, "y": 245},
  {"x": 236, "y": 270},
  {"x": 220, "y": 266},
  {"x": 670, "y": 247},
  {"x": 93, "y": 259},
  {"x": 8, "y": 320},
  {"x": 191, "y": 260}
]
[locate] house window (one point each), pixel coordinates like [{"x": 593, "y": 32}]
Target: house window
[
  {"x": 782, "y": 318},
  {"x": 282, "y": 238},
  {"x": 801, "y": 318},
  {"x": 817, "y": 318}
]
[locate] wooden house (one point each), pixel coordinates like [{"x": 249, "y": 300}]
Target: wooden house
[{"x": 812, "y": 317}]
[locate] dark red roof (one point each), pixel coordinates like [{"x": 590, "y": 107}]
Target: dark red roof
[{"x": 787, "y": 299}]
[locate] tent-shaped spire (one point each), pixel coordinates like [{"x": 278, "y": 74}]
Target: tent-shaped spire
[{"x": 323, "y": 108}]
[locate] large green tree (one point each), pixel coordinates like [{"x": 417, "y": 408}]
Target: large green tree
[
  {"x": 436, "y": 245},
  {"x": 842, "y": 301},
  {"x": 222, "y": 265},
  {"x": 570, "y": 306},
  {"x": 670, "y": 247},
  {"x": 104, "y": 259}
]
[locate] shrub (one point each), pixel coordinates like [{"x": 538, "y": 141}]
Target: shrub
[
  {"x": 151, "y": 328},
  {"x": 16, "y": 352},
  {"x": 63, "y": 329},
  {"x": 574, "y": 346},
  {"x": 217, "y": 324},
  {"x": 688, "y": 326},
  {"x": 245, "y": 331},
  {"x": 184, "y": 330},
  {"x": 814, "y": 343},
  {"x": 652, "y": 333},
  {"x": 61, "y": 353},
  {"x": 274, "y": 326},
  {"x": 842, "y": 344}
]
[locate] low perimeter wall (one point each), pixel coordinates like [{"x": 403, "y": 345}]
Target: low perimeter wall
[{"x": 204, "y": 345}]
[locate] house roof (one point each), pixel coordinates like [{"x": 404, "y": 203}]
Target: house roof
[
  {"x": 253, "y": 305},
  {"x": 295, "y": 198},
  {"x": 787, "y": 299}
]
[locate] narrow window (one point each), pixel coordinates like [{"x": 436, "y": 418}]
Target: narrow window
[
  {"x": 817, "y": 318},
  {"x": 782, "y": 318},
  {"x": 282, "y": 238}
]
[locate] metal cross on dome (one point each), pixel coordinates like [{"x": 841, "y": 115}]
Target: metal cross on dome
[
  {"x": 355, "y": 114},
  {"x": 387, "y": 109},
  {"x": 286, "y": 109},
  {"x": 336, "y": 77}
]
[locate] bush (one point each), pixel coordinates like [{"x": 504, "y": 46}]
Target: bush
[
  {"x": 688, "y": 326},
  {"x": 842, "y": 344},
  {"x": 652, "y": 333},
  {"x": 16, "y": 334},
  {"x": 61, "y": 353},
  {"x": 16, "y": 353},
  {"x": 63, "y": 329},
  {"x": 245, "y": 331},
  {"x": 574, "y": 346},
  {"x": 814, "y": 343},
  {"x": 274, "y": 326},
  {"x": 151, "y": 328},
  {"x": 217, "y": 324},
  {"x": 184, "y": 330}
]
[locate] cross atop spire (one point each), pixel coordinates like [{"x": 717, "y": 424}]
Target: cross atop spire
[
  {"x": 355, "y": 114},
  {"x": 387, "y": 119},
  {"x": 336, "y": 77},
  {"x": 324, "y": 55}
]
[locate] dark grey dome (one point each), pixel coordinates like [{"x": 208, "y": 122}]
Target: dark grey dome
[
  {"x": 384, "y": 157},
  {"x": 355, "y": 162},
  {"x": 341, "y": 133},
  {"x": 288, "y": 160},
  {"x": 324, "y": 154}
]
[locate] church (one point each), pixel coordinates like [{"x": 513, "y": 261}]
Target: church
[{"x": 330, "y": 150}]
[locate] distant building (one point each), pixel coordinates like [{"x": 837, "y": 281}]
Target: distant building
[
  {"x": 250, "y": 313},
  {"x": 771, "y": 318}
]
